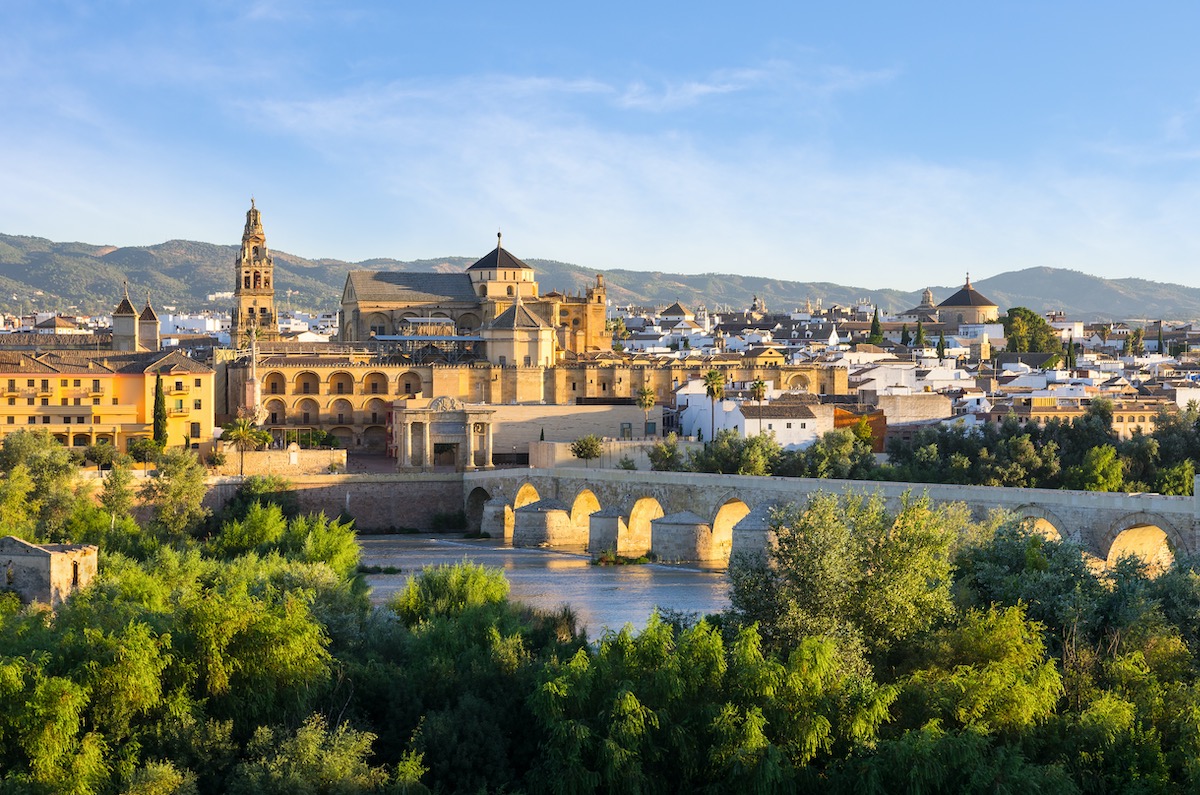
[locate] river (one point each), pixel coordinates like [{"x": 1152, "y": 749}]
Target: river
[{"x": 601, "y": 596}]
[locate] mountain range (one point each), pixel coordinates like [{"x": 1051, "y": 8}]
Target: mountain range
[{"x": 39, "y": 274}]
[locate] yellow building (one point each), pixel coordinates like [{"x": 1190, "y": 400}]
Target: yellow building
[{"x": 91, "y": 398}]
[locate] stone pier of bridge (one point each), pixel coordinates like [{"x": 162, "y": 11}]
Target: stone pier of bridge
[{"x": 687, "y": 516}]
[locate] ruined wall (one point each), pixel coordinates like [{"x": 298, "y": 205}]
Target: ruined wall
[
  {"x": 286, "y": 463},
  {"x": 378, "y": 503}
]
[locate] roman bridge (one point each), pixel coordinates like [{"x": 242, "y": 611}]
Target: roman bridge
[{"x": 686, "y": 516}]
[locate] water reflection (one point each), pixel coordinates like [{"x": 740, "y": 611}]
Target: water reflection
[{"x": 602, "y": 596}]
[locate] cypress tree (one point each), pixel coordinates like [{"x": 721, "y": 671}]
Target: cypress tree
[
  {"x": 905, "y": 337},
  {"x": 1161, "y": 348},
  {"x": 160, "y": 412},
  {"x": 876, "y": 329},
  {"x": 920, "y": 341},
  {"x": 941, "y": 346}
]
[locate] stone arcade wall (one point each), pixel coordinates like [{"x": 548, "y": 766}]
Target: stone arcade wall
[{"x": 378, "y": 503}]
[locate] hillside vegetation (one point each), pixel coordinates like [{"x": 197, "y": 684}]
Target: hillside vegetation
[{"x": 39, "y": 274}]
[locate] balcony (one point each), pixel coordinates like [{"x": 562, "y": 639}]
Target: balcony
[{"x": 178, "y": 389}]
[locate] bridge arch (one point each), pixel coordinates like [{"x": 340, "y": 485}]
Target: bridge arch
[
  {"x": 476, "y": 501},
  {"x": 637, "y": 529},
  {"x": 731, "y": 511},
  {"x": 1042, "y": 521},
  {"x": 584, "y": 505},
  {"x": 526, "y": 495},
  {"x": 1149, "y": 537}
]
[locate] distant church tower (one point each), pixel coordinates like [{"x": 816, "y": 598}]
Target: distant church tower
[
  {"x": 254, "y": 289},
  {"x": 125, "y": 325},
  {"x": 147, "y": 329}
]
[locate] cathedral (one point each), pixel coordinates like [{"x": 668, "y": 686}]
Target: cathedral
[
  {"x": 486, "y": 339},
  {"x": 496, "y": 300}
]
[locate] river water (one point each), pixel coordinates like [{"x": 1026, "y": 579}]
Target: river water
[{"x": 603, "y": 597}]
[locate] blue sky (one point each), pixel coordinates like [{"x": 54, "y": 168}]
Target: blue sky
[{"x": 873, "y": 144}]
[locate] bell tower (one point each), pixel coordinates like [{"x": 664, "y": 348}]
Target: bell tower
[{"x": 254, "y": 286}]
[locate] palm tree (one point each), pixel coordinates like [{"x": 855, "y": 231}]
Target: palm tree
[
  {"x": 714, "y": 388},
  {"x": 243, "y": 434},
  {"x": 758, "y": 391},
  {"x": 645, "y": 401}
]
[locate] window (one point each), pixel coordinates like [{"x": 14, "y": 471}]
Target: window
[
  {"x": 304, "y": 418},
  {"x": 274, "y": 418},
  {"x": 31, "y": 420},
  {"x": 194, "y": 430},
  {"x": 341, "y": 388},
  {"x": 46, "y": 419},
  {"x": 12, "y": 384},
  {"x": 770, "y": 427},
  {"x": 76, "y": 382},
  {"x": 304, "y": 387},
  {"x": 341, "y": 418},
  {"x": 30, "y": 382},
  {"x": 528, "y": 360},
  {"x": 95, "y": 401},
  {"x": 45, "y": 401},
  {"x": 195, "y": 405},
  {"x": 64, "y": 401},
  {"x": 45, "y": 384},
  {"x": 407, "y": 388},
  {"x": 114, "y": 401},
  {"x": 503, "y": 361},
  {"x": 12, "y": 401},
  {"x": 374, "y": 387},
  {"x": 79, "y": 420},
  {"x": 179, "y": 404},
  {"x": 572, "y": 386},
  {"x": 789, "y": 425},
  {"x": 96, "y": 385},
  {"x": 66, "y": 420},
  {"x": 74, "y": 574},
  {"x": 197, "y": 382},
  {"x": 62, "y": 382},
  {"x": 78, "y": 402},
  {"x": 178, "y": 386}
]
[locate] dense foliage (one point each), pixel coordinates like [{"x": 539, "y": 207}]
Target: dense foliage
[
  {"x": 872, "y": 651},
  {"x": 1084, "y": 453}
]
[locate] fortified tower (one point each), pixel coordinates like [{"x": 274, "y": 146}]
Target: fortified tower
[{"x": 254, "y": 286}]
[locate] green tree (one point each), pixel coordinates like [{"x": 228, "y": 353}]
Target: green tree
[
  {"x": 117, "y": 494},
  {"x": 905, "y": 337},
  {"x": 919, "y": 341},
  {"x": 176, "y": 493},
  {"x": 102, "y": 454},
  {"x": 313, "y": 760},
  {"x": 645, "y": 401},
  {"x": 160, "y": 412},
  {"x": 144, "y": 450},
  {"x": 714, "y": 389},
  {"x": 1101, "y": 470},
  {"x": 846, "y": 568},
  {"x": 876, "y": 335},
  {"x": 941, "y": 346},
  {"x": 587, "y": 447},
  {"x": 1027, "y": 331},
  {"x": 665, "y": 456},
  {"x": 244, "y": 435},
  {"x": 1161, "y": 348}
]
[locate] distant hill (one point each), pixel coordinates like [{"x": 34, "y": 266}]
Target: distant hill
[{"x": 49, "y": 276}]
